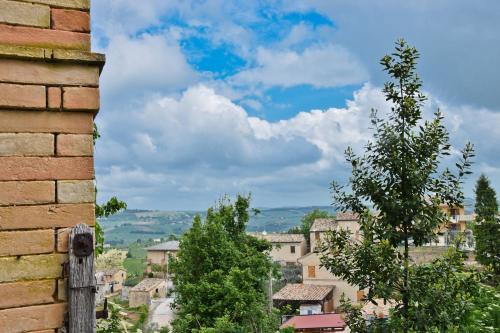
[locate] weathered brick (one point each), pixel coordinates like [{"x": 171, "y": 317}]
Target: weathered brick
[
  {"x": 45, "y": 331},
  {"x": 46, "y": 122},
  {"x": 75, "y": 145},
  {"x": 46, "y": 216},
  {"x": 16, "y": 35},
  {"x": 22, "y": 71},
  {"x": 13, "y": 243},
  {"x": 26, "y": 144},
  {"x": 13, "y": 12},
  {"x": 27, "y": 193},
  {"x": 43, "y": 266},
  {"x": 77, "y": 4},
  {"x": 61, "y": 289},
  {"x": 54, "y": 96},
  {"x": 22, "y": 96},
  {"x": 80, "y": 98},
  {"x": 75, "y": 191},
  {"x": 27, "y": 293},
  {"x": 46, "y": 168},
  {"x": 70, "y": 20},
  {"x": 63, "y": 238},
  {"x": 32, "y": 318}
]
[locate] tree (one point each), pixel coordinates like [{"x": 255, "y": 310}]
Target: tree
[
  {"x": 220, "y": 274},
  {"x": 307, "y": 221},
  {"x": 486, "y": 207},
  {"x": 399, "y": 177},
  {"x": 487, "y": 228}
]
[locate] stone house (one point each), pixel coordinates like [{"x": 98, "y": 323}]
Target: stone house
[
  {"x": 347, "y": 220},
  {"x": 108, "y": 282},
  {"x": 287, "y": 248},
  {"x": 309, "y": 298},
  {"x": 146, "y": 290},
  {"x": 160, "y": 253}
]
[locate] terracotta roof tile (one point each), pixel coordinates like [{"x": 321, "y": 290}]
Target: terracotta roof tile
[
  {"x": 302, "y": 292},
  {"x": 327, "y": 320},
  {"x": 148, "y": 284}
]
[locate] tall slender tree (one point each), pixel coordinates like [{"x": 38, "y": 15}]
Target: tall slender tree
[
  {"x": 487, "y": 228},
  {"x": 399, "y": 177}
]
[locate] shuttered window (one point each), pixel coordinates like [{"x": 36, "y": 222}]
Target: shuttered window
[
  {"x": 311, "y": 271},
  {"x": 292, "y": 249}
]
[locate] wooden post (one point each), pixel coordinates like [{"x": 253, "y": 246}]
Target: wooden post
[{"x": 81, "y": 282}]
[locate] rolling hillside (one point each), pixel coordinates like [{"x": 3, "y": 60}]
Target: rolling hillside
[{"x": 130, "y": 225}]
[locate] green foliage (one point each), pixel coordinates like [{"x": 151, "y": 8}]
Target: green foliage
[
  {"x": 484, "y": 314},
  {"x": 220, "y": 274},
  {"x": 143, "y": 316},
  {"x": 487, "y": 227},
  {"x": 399, "y": 177},
  {"x": 111, "y": 325},
  {"x": 486, "y": 206}
]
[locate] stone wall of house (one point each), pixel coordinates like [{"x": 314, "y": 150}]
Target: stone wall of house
[{"x": 49, "y": 96}]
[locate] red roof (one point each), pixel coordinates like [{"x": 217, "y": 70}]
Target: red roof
[{"x": 327, "y": 320}]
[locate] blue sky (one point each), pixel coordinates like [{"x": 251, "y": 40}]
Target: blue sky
[{"x": 206, "y": 98}]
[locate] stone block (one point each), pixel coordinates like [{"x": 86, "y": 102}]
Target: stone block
[
  {"x": 54, "y": 96},
  {"x": 17, "y": 96},
  {"x": 46, "y": 168},
  {"x": 70, "y": 20},
  {"x": 26, "y": 144},
  {"x": 46, "y": 216},
  {"x": 77, "y": 4},
  {"x": 46, "y": 122},
  {"x": 75, "y": 191},
  {"x": 22, "y": 71},
  {"x": 13, "y": 12},
  {"x": 47, "y": 38},
  {"x": 75, "y": 145},
  {"x": 14, "y": 243},
  {"x": 81, "y": 99},
  {"x": 33, "y": 318},
  {"x": 27, "y": 193},
  {"x": 17, "y": 294},
  {"x": 61, "y": 289},
  {"x": 36, "y": 267}
]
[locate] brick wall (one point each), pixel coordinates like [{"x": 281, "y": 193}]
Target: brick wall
[{"x": 49, "y": 97}]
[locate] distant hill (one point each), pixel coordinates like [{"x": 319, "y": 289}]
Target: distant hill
[{"x": 130, "y": 225}]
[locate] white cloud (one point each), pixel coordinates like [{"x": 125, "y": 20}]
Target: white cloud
[
  {"x": 145, "y": 63},
  {"x": 319, "y": 65}
]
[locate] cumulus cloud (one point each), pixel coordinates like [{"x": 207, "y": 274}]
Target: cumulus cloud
[
  {"x": 145, "y": 63},
  {"x": 322, "y": 66}
]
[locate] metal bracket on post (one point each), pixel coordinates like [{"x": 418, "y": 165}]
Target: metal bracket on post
[{"x": 81, "y": 280}]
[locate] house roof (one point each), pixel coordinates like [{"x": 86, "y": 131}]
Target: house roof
[
  {"x": 303, "y": 292},
  {"x": 323, "y": 224},
  {"x": 167, "y": 246},
  {"x": 346, "y": 216},
  {"x": 148, "y": 284},
  {"x": 326, "y": 224},
  {"x": 326, "y": 320},
  {"x": 280, "y": 238},
  {"x": 112, "y": 271}
]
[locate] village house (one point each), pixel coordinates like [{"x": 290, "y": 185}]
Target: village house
[
  {"x": 159, "y": 254},
  {"x": 147, "y": 290},
  {"x": 316, "y": 323},
  {"x": 309, "y": 299},
  {"x": 109, "y": 281},
  {"x": 287, "y": 248},
  {"x": 313, "y": 273}
]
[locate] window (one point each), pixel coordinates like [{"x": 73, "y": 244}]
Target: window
[
  {"x": 292, "y": 249},
  {"x": 311, "y": 271},
  {"x": 360, "y": 295},
  {"x": 316, "y": 235}
]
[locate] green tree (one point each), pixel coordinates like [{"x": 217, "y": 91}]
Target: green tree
[
  {"x": 220, "y": 274},
  {"x": 399, "y": 177},
  {"x": 111, "y": 207},
  {"x": 486, "y": 207},
  {"x": 307, "y": 221},
  {"x": 487, "y": 227}
]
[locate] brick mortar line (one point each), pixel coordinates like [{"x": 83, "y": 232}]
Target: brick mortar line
[
  {"x": 51, "y": 85},
  {"x": 56, "y": 301}
]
